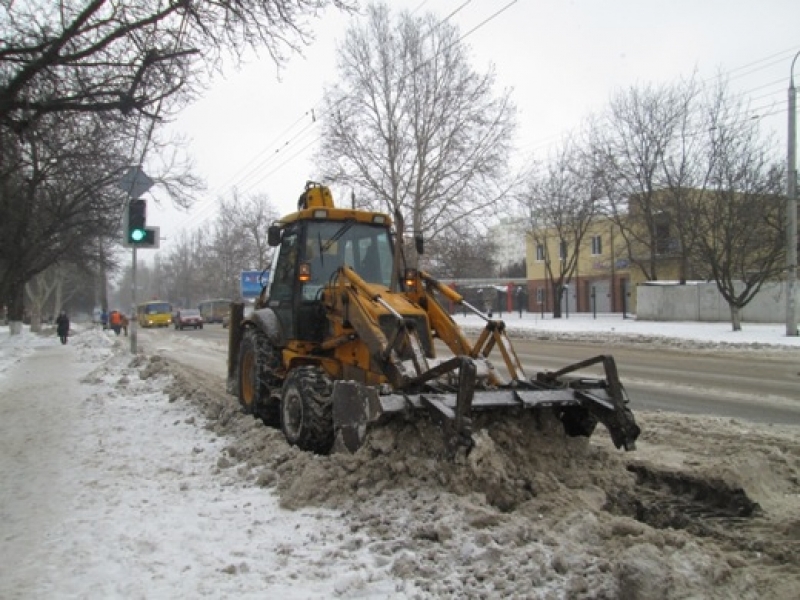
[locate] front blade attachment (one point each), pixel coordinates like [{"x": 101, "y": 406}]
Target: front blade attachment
[
  {"x": 601, "y": 400},
  {"x": 581, "y": 404}
]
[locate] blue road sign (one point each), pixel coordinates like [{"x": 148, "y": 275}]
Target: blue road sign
[{"x": 251, "y": 283}]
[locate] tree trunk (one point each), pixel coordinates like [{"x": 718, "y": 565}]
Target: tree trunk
[
  {"x": 16, "y": 305},
  {"x": 58, "y": 299},
  {"x": 36, "y": 296},
  {"x": 36, "y": 318},
  {"x": 103, "y": 283},
  {"x": 557, "y": 293},
  {"x": 736, "y": 317},
  {"x": 684, "y": 269}
]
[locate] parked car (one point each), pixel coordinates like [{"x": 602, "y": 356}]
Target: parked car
[{"x": 188, "y": 317}]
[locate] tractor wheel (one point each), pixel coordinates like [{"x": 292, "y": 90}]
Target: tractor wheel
[
  {"x": 256, "y": 360},
  {"x": 307, "y": 410}
]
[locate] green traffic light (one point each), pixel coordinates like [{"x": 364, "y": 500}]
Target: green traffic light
[{"x": 137, "y": 235}]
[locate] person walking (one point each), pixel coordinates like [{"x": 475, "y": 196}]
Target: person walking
[
  {"x": 115, "y": 321},
  {"x": 62, "y": 326}
]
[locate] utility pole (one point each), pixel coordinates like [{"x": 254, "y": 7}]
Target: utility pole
[{"x": 791, "y": 209}]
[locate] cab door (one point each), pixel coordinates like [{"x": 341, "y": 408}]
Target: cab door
[{"x": 283, "y": 283}]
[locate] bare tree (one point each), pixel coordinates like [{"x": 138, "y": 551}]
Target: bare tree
[
  {"x": 46, "y": 288},
  {"x": 208, "y": 263},
  {"x": 58, "y": 198},
  {"x": 222, "y": 257},
  {"x": 739, "y": 217},
  {"x": 412, "y": 127},
  {"x": 561, "y": 202},
  {"x": 461, "y": 252},
  {"x": 683, "y": 170},
  {"x": 63, "y": 61},
  {"x": 179, "y": 271},
  {"x": 250, "y": 218},
  {"x": 237, "y": 241},
  {"x": 125, "y": 58},
  {"x": 645, "y": 144}
]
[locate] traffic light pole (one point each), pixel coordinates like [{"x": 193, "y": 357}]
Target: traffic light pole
[
  {"x": 135, "y": 183},
  {"x": 133, "y": 323}
]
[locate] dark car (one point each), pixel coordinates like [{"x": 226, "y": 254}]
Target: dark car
[{"x": 188, "y": 317}]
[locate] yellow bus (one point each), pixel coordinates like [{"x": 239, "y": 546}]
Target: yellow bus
[
  {"x": 155, "y": 313},
  {"x": 212, "y": 311}
]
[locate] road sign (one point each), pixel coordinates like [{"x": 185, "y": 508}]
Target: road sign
[
  {"x": 135, "y": 182},
  {"x": 251, "y": 283}
]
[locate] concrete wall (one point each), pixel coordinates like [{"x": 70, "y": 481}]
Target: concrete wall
[{"x": 700, "y": 301}]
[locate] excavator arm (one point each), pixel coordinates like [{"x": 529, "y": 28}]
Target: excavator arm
[{"x": 396, "y": 348}]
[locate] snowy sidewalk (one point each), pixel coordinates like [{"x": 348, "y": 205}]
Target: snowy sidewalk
[
  {"x": 109, "y": 490},
  {"x": 40, "y": 412}
]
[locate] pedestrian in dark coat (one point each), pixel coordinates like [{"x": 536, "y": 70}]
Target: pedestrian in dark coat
[{"x": 62, "y": 326}]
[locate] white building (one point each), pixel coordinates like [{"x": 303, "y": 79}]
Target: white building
[{"x": 509, "y": 239}]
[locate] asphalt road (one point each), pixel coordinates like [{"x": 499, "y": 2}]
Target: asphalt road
[{"x": 751, "y": 385}]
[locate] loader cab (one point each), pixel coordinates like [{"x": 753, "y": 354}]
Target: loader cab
[{"x": 310, "y": 254}]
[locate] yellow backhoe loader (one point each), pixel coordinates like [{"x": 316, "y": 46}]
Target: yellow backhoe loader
[{"x": 343, "y": 335}]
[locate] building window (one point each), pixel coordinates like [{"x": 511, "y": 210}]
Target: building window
[
  {"x": 540, "y": 252},
  {"x": 597, "y": 245},
  {"x": 662, "y": 233}
]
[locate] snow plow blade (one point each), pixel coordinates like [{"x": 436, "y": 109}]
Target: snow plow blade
[{"x": 579, "y": 403}]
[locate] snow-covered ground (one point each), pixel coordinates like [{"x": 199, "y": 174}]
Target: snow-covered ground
[
  {"x": 109, "y": 490},
  {"x": 112, "y": 485},
  {"x": 613, "y": 325}
]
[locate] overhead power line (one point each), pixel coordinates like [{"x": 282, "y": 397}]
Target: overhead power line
[
  {"x": 273, "y": 158},
  {"x": 268, "y": 163}
]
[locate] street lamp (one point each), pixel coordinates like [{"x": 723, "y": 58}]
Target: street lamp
[{"x": 791, "y": 208}]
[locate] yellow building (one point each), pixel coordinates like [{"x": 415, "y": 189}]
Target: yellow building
[
  {"x": 602, "y": 273},
  {"x": 604, "y": 279}
]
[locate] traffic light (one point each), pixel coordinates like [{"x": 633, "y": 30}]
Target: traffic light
[{"x": 137, "y": 217}]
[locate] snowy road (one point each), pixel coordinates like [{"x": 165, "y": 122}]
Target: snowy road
[{"x": 760, "y": 386}]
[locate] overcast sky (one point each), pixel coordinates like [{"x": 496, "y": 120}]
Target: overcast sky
[{"x": 563, "y": 60}]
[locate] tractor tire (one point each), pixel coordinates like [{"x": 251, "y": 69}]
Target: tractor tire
[
  {"x": 307, "y": 410},
  {"x": 256, "y": 361}
]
